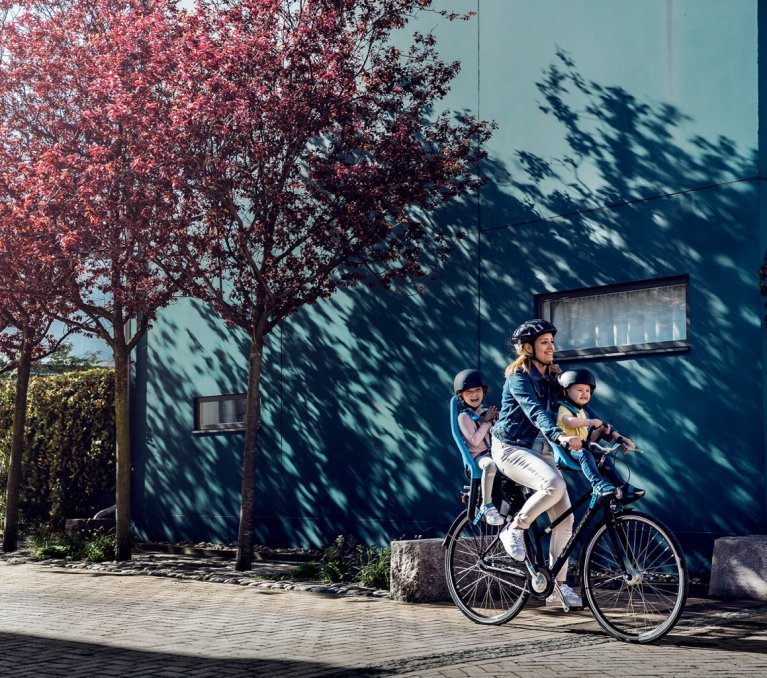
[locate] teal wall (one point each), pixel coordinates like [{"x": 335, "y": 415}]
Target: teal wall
[{"x": 627, "y": 148}]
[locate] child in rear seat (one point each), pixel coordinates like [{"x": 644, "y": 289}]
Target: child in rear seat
[{"x": 474, "y": 422}]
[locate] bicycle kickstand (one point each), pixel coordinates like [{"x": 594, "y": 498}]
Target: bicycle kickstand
[{"x": 562, "y": 598}]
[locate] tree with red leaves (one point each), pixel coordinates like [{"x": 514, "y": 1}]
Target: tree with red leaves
[
  {"x": 84, "y": 114},
  {"x": 27, "y": 307},
  {"x": 314, "y": 152}
]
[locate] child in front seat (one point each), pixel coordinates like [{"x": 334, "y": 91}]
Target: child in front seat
[
  {"x": 474, "y": 423},
  {"x": 575, "y": 419}
]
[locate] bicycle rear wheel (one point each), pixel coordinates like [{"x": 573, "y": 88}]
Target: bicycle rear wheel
[
  {"x": 484, "y": 582},
  {"x": 634, "y": 578}
]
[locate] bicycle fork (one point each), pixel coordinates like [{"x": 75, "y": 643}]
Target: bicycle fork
[{"x": 631, "y": 574}]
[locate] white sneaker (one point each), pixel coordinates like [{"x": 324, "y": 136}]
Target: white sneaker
[
  {"x": 491, "y": 515},
  {"x": 572, "y": 599},
  {"x": 513, "y": 541}
]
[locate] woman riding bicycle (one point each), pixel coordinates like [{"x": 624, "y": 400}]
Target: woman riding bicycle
[{"x": 520, "y": 445}]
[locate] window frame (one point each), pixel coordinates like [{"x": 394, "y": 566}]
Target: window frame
[
  {"x": 628, "y": 350},
  {"x": 225, "y": 427}
]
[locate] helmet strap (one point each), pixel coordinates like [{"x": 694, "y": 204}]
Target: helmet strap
[{"x": 534, "y": 358}]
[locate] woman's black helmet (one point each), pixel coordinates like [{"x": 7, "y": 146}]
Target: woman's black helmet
[
  {"x": 530, "y": 330},
  {"x": 570, "y": 377},
  {"x": 468, "y": 379}
]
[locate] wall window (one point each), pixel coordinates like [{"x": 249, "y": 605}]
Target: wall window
[
  {"x": 642, "y": 317},
  {"x": 220, "y": 413}
]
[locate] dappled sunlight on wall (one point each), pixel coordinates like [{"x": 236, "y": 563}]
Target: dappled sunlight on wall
[
  {"x": 356, "y": 436},
  {"x": 669, "y": 210},
  {"x": 367, "y": 380},
  {"x": 187, "y": 484}
]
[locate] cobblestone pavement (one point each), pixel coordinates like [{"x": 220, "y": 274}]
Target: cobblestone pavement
[
  {"x": 187, "y": 567},
  {"x": 57, "y": 621}
]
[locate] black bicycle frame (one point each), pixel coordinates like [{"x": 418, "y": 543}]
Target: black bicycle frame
[{"x": 585, "y": 521}]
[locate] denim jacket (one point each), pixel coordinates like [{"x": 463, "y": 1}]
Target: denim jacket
[{"x": 528, "y": 404}]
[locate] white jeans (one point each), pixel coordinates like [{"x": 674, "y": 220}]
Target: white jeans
[{"x": 535, "y": 468}]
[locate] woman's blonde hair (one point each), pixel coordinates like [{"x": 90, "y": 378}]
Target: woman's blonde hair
[{"x": 524, "y": 360}]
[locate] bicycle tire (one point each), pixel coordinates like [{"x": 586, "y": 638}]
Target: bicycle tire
[
  {"x": 484, "y": 596},
  {"x": 640, "y": 607}
]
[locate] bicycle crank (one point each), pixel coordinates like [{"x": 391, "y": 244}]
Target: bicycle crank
[{"x": 540, "y": 582}]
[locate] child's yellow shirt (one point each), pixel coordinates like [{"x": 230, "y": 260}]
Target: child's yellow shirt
[{"x": 580, "y": 431}]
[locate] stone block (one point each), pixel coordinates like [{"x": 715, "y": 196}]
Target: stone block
[
  {"x": 418, "y": 571},
  {"x": 739, "y": 568}
]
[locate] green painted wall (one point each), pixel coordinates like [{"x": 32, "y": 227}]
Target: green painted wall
[{"x": 627, "y": 149}]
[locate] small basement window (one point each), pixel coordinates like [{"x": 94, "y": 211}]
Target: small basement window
[
  {"x": 220, "y": 413},
  {"x": 648, "y": 316}
]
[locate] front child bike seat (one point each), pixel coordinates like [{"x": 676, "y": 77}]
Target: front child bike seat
[{"x": 563, "y": 460}]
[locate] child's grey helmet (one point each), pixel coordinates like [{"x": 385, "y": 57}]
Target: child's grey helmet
[
  {"x": 468, "y": 379},
  {"x": 530, "y": 330},
  {"x": 570, "y": 377}
]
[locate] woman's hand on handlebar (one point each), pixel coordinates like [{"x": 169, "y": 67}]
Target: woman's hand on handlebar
[{"x": 570, "y": 442}]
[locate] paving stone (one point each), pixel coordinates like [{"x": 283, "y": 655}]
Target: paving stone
[{"x": 60, "y": 620}]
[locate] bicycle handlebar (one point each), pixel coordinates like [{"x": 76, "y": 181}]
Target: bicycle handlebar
[{"x": 604, "y": 449}]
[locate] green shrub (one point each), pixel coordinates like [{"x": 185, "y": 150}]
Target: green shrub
[
  {"x": 374, "y": 570},
  {"x": 95, "y": 548},
  {"x": 345, "y": 560},
  {"x": 68, "y": 464}
]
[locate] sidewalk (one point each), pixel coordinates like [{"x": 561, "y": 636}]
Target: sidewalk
[
  {"x": 58, "y": 621},
  {"x": 192, "y": 565}
]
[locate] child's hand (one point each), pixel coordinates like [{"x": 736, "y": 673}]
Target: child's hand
[
  {"x": 626, "y": 443},
  {"x": 596, "y": 423},
  {"x": 573, "y": 442},
  {"x": 490, "y": 414}
]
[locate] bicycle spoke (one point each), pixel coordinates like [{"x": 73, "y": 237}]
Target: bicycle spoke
[
  {"x": 635, "y": 578},
  {"x": 484, "y": 595}
]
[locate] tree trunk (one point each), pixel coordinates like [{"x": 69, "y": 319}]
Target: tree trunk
[
  {"x": 11, "y": 528},
  {"x": 122, "y": 437},
  {"x": 252, "y": 425}
]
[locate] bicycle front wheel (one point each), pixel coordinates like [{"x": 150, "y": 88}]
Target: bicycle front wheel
[
  {"x": 634, "y": 578},
  {"x": 484, "y": 582}
]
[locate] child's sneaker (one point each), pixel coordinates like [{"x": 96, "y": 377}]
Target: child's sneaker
[
  {"x": 571, "y": 598},
  {"x": 631, "y": 493},
  {"x": 604, "y": 490},
  {"x": 513, "y": 541},
  {"x": 491, "y": 516}
]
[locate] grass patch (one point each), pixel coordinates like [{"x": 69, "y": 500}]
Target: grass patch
[
  {"x": 93, "y": 548},
  {"x": 345, "y": 561},
  {"x": 348, "y": 561}
]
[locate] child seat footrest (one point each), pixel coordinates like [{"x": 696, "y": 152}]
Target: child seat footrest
[{"x": 481, "y": 513}]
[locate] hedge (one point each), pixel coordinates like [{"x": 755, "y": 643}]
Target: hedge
[{"x": 68, "y": 467}]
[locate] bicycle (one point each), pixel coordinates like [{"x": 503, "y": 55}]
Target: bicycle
[{"x": 633, "y": 573}]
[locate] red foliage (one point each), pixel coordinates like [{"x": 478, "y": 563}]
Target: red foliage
[
  {"x": 286, "y": 148},
  {"x": 255, "y": 153},
  {"x": 84, "y": 113},
  {"x": 314, "y": 149}
]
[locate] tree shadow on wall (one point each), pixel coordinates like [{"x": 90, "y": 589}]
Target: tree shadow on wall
[
  {"x": 633, "y": 199},
  {"x": 367, "y": 375},
  {"x": 186, "y": 485},
  {"x": 356, "y": 435}
]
